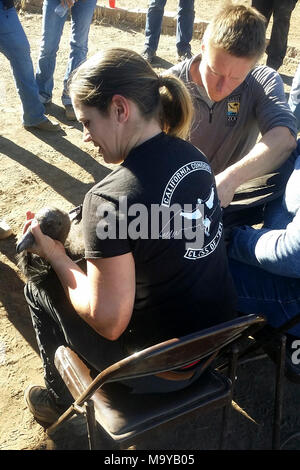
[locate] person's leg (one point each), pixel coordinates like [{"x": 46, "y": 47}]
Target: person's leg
[
  {"x": 153, "y": 24},
  {"x": 185, "y": 26},
  {"x": 275, "y": 297},
  {"x": 82, "y": 15},
  {"x": 52, "y": 27},
  {"x": 15, "y": 46},
  {"x": 277, "y": 46},
  {"x": 265, "y": 7},
  {"x": 56, "y": 323},
  {"x": 49, "y": 337}
]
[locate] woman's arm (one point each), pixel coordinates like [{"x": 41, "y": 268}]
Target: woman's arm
[{"x": 104, "y": 297}]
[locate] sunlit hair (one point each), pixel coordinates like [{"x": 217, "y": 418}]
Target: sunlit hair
[
  {"x": 239, "y": 30},
  {"x": 123, "y": 72}
]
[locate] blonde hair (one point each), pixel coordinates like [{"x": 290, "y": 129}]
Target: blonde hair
[
  {"x": 239, "y": 30},
  {"x": 124, "y": 72}
]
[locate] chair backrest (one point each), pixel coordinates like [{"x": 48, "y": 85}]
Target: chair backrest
[{"x": 176, "y": 352}]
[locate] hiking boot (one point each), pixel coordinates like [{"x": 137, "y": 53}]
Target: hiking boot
[
  {"x": 5, "y": 230},
  {"x": 45, "y": 125},
  {"x": 41, "y": 404},
  {"x": 181, "y": 56},
  {"x": 148, "y": 55}
]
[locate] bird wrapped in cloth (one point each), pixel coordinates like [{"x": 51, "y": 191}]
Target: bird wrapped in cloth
[{"x": 59, "y": 225}]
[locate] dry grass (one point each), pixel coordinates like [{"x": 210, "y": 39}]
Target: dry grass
[{"x": 204, "y": 9}]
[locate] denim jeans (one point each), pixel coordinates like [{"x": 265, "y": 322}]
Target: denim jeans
[
  {"x": 265, "y": 262},
  {"x": 15, "y": 46},
  {"x": 52, "y": 26},
  {"x": 185, "y": 24},
  {"x": 275, "y": 247},
  {"x": 276, "y": 297}
]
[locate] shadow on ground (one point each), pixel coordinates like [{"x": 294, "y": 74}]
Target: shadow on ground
[
  {"x": 12, "y": 296},
  {"x": 70, "y": 188}
]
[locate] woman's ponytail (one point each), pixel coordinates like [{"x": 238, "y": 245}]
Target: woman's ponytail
[{"x": 176, "y": 106}]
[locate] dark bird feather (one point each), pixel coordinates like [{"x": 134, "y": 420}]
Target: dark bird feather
[{"x": 58, "y": 225}]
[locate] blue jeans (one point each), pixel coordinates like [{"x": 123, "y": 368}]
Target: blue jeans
[
  {"x": 185, "y": 24},
  {"x": 276, "y": 297},
  {"x": 15, "y": 46},
  {"x": 81, "y": 15}
]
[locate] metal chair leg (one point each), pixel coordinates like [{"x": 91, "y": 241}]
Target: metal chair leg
[
  {"x": 87, "y": 409},
  {"x": 227, "y": 409},
  {"x": 280, "y": 366},
  {"x": 64, "y": 417},
  {"x": 90, "y": 423}
]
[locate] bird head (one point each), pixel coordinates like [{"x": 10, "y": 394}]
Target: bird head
[{"x": 53, "y": 222}]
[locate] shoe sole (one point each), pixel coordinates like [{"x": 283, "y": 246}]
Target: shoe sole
[{"x": 50, "y": 129}]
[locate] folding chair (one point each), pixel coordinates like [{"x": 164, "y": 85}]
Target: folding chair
[{"x": 122, "y": 415}]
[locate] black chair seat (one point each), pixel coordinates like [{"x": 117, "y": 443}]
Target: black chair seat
[{"x": 122, "y": 413}]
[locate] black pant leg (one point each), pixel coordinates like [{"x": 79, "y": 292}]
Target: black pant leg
[
  {"x": 265, "y": 7},
  {"x": 49, "y": 338},
  {"x": 56, "y": 323},
  {"x": 277, "y": 47}
]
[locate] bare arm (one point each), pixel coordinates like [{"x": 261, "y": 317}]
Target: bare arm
[
  {"x": 267, "y": 155},
  {"x": 104, "y": 297}
]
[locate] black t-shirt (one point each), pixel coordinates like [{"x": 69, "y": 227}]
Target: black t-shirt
[{"x": 153, "y": 205}]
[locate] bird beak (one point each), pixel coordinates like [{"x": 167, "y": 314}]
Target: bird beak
[{"x": 27, "y": 241}]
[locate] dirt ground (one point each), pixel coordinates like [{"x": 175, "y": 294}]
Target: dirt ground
[{"x": 39, "y": 168}]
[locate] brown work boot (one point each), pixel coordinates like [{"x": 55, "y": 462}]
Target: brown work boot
[
  {"x": 45, "y": 125},
  {"x": 41, "y": 404}
]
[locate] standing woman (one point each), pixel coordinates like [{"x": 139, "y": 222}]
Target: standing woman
[{"x": 156, "y": 263}]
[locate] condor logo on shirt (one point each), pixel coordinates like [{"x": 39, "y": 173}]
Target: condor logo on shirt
[{"x": 233, "y": 109}]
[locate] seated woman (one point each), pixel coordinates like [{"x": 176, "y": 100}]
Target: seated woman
[
  {"x": 265, "y": 264},
  {"x": 156, "y": 263}
]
